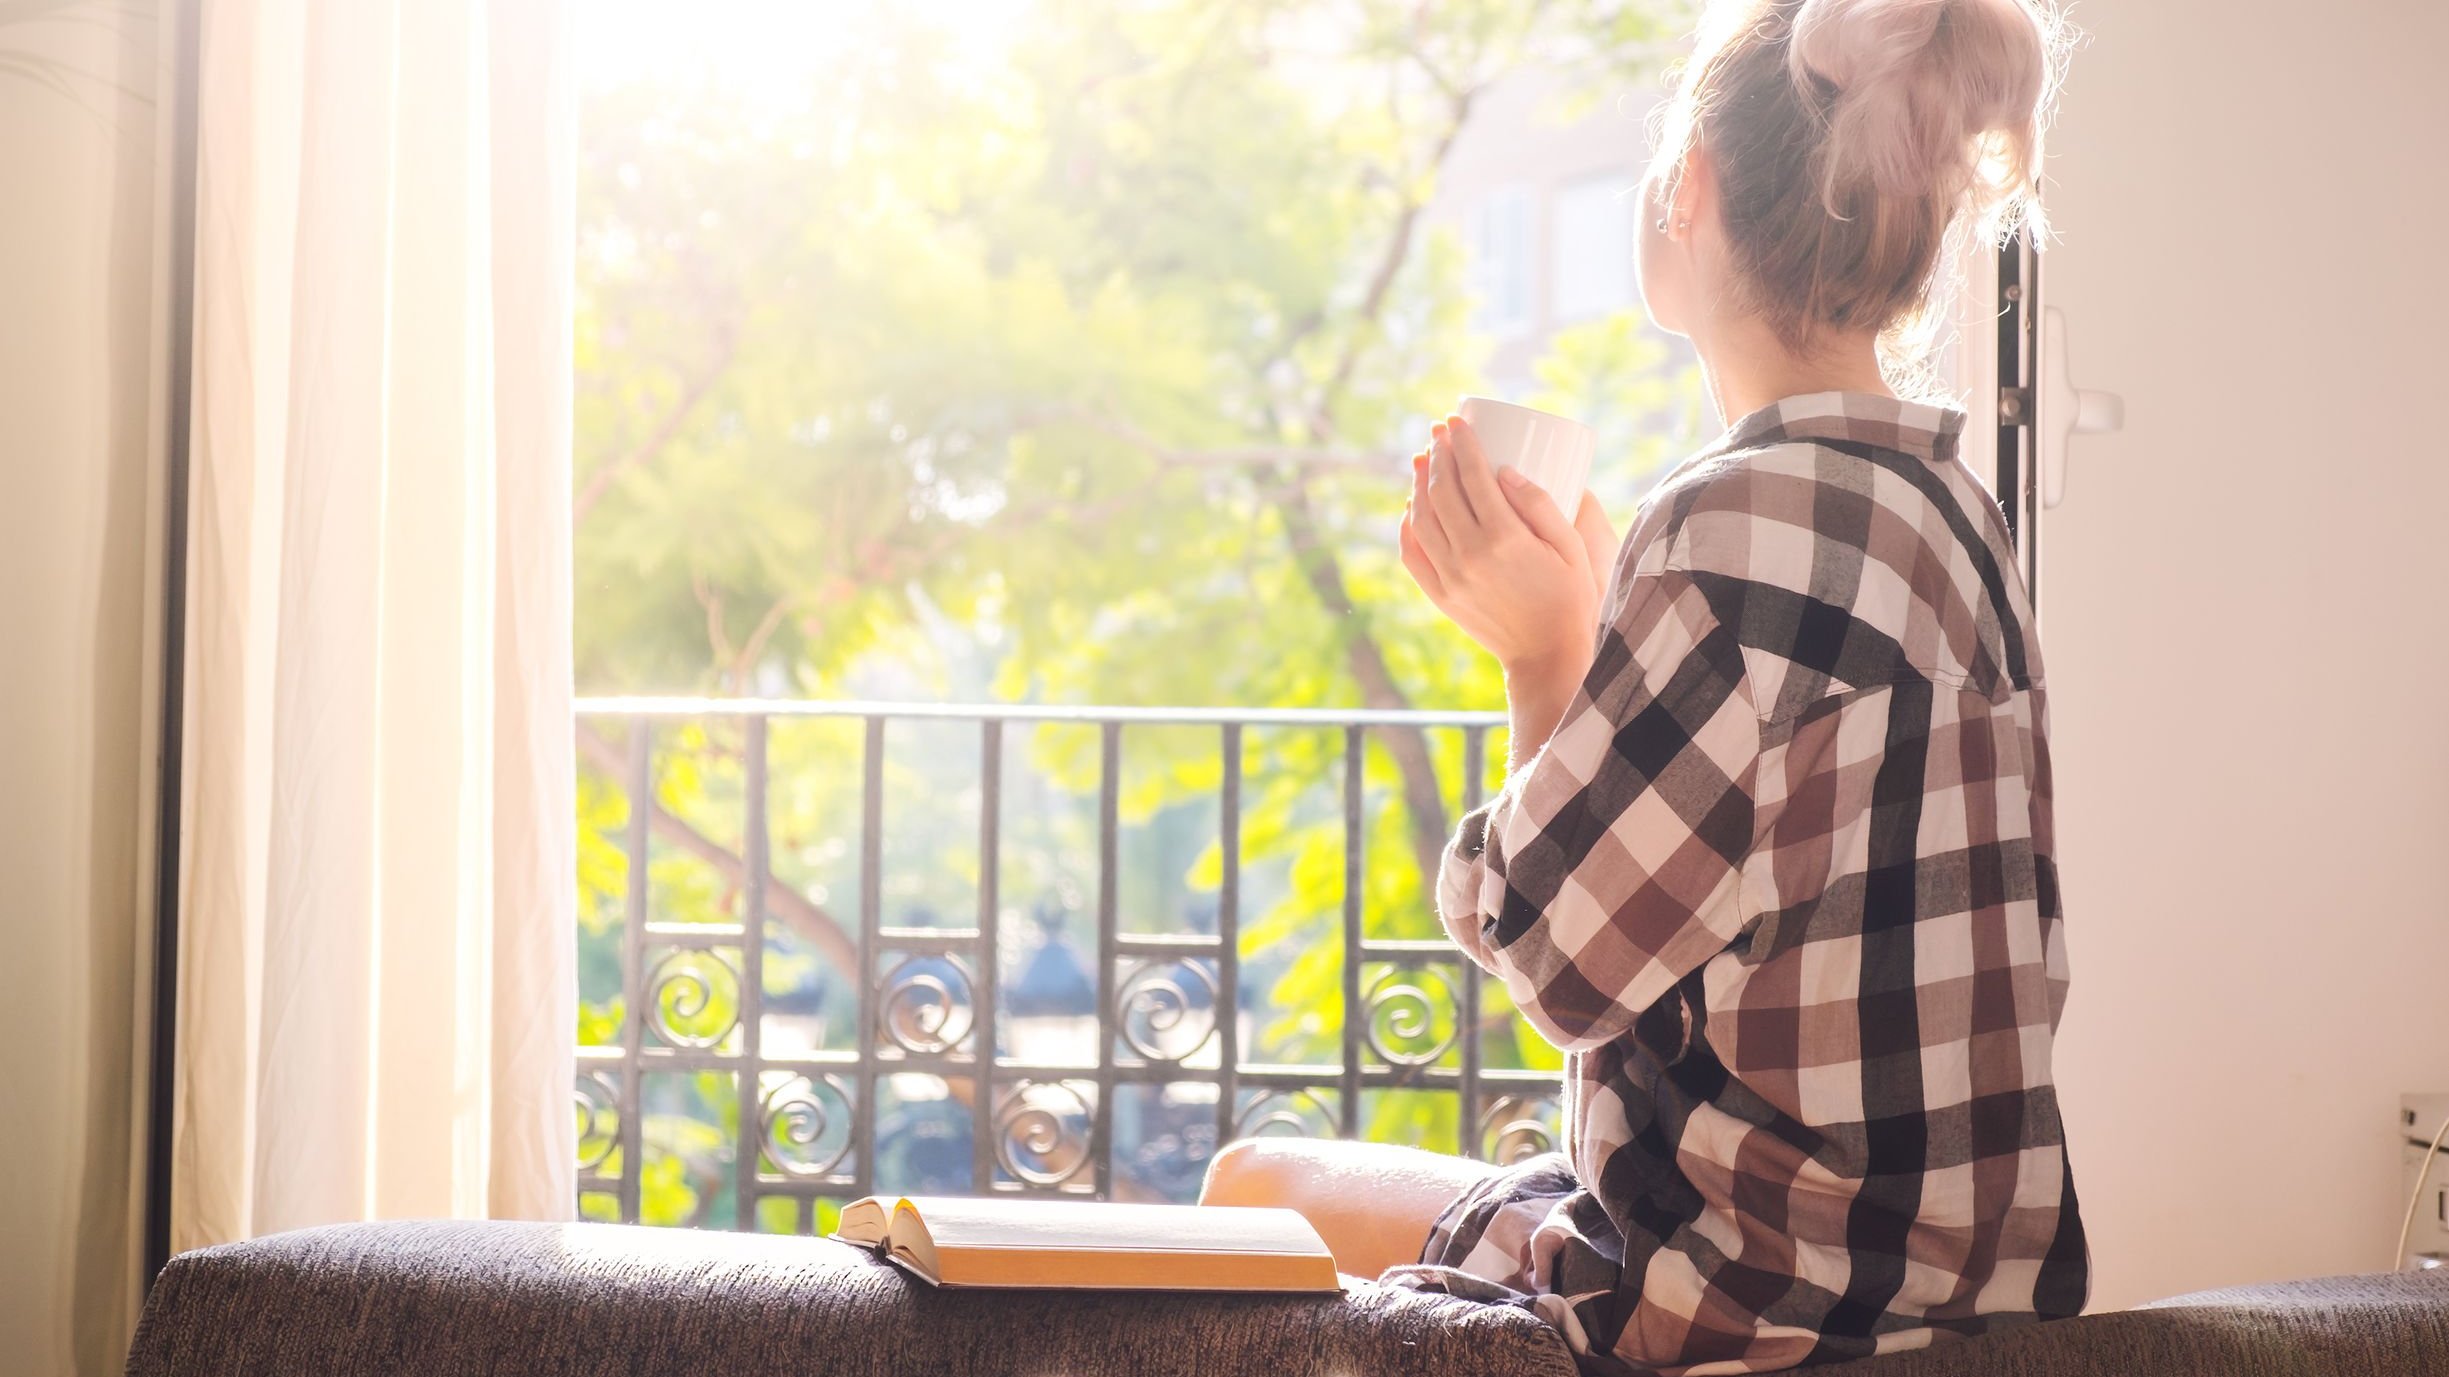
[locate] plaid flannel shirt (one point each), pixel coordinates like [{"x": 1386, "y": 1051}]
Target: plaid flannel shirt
[{"x": 1781, "y": 886}]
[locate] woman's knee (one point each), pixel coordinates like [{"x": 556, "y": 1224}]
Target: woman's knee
[
  {"x": 1244, "y": 1172},
  {"x": 1371, "y": 1203},
  {"x": 1335, "y": 1177}
]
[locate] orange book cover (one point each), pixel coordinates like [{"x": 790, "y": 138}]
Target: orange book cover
[{"x": 954, "y": 1241}]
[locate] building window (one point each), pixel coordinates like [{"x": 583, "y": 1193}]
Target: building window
[
  {"x": 1591, "y": 264},
  {"x": 1501, "y": 261}
]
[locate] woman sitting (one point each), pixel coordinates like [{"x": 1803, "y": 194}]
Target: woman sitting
[{"x": 1773, "y": 863}]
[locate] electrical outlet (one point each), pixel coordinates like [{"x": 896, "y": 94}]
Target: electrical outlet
[{"x": 2419, "y": 1117}]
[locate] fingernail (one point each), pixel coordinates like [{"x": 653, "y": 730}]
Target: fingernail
[{"x": 1511, "y": 476}]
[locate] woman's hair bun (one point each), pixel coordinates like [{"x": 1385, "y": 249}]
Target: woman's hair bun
[
  {"x": 1917, "y": 123},
  {"x": 1941, "y": 98}
]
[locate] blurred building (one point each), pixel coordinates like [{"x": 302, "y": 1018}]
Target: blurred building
[{"x": 1547, "y": 207}]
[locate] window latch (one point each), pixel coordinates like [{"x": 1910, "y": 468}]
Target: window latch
[{"x": 2064, "y": 410}]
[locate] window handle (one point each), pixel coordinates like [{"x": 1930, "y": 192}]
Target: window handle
[{"x": 2066, "y": 410}]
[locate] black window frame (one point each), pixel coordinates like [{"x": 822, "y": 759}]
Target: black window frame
[{"x": 2016, "y": 481}]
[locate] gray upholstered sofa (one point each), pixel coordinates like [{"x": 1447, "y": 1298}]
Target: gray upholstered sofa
[{"x": 459, "y": 1299}]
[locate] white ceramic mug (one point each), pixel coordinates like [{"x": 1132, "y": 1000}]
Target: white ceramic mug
[{"x": 1550, "y": 450}]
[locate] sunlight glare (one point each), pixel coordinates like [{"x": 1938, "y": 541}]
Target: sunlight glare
[{"x": 769, "y": 51}]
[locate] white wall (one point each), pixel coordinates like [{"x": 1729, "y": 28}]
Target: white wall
[
  {"x": 77, "y": 264},
  {"x": 2245, "y": 627}
]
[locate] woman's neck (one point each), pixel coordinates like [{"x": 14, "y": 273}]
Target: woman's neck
[{"x": 1748, "y": 367}]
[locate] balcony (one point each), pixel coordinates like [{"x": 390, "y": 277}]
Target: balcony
[{"x": 770, "y": 1030}]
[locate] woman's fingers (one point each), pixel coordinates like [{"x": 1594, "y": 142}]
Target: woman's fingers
[
  {"x": 1591, "y": 520},
  {"x": 1417, "y": 563},
  {"x": 1471, "y": 461},
  {"x": 1538, "y": 511},
  {"x": 1509, "y": 569},
  {"x": 1598, "y": 538},
  {"x": 1416, "y": 510},
  {"x": 1427, "y": 530},
  {"x": 1445, "y": 491}
]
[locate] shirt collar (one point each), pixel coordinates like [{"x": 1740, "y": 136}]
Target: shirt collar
[{"x": 1923, "y": 430}]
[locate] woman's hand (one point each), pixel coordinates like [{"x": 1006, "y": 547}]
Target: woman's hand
[
  {"x": 1494, "y": 554},
  {"x": 1598, "y": 539}
]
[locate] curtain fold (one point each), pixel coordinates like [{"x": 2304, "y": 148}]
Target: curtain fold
[
  {"x": 535, "y": 766},
  {"x": 377, "y": 993}
]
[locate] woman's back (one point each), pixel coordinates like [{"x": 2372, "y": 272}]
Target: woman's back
[{"x": 1782, "y": 883}]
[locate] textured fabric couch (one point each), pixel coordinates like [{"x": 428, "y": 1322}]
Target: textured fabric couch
[{"x": 536, "y": 1300}]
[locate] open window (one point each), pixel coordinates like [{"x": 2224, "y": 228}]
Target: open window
[{"x": 990, "y": 423}]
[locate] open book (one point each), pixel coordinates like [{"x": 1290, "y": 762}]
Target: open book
[{"x": 1071, "y": 1243}]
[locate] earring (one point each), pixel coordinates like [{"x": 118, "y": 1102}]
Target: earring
[{"x": 1662, "y": 224}]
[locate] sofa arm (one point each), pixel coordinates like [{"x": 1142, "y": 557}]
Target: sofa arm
[
  {"x": 2386, "y": 1324},
  {"x": 542, "y": 1300},
  {"x": 443, "y": 1299}
]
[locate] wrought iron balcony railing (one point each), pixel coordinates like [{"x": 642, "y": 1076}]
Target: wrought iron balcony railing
[{"x": 1169, "y": 1011}]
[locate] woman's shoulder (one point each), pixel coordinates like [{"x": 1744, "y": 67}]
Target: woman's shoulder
[
  {"x": 1727, "y": 510},
  {"x": 1853, "y": 562}
]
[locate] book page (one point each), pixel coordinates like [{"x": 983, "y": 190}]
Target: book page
[
  {"x": 865, "y": 1220},
  {"x": 1086, "y": 1226}
]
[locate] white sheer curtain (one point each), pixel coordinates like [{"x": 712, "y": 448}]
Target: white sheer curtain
[{"x": 376, "y": 987}]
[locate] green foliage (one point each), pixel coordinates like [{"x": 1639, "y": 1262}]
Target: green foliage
[{"x": 1082, "y": 377}]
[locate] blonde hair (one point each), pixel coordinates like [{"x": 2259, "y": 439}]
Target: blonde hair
[{"x": 1860, "y": 145}]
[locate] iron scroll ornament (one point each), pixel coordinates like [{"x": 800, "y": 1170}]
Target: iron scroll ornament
[
  {"x": 1042, "y": 1133},
  {"x": 599, "y": 1120},
  {"x": 799, "y": 1130},
  {"x": 926, "y": 1010},
  {"x": 1157, "y": 1013},
  {"x": 1516, "y": 1128},
  {"x": 1400, "y": 1016},
  {"x": 1280, "y": 1114},
  {"x": 693, "y": 999}
]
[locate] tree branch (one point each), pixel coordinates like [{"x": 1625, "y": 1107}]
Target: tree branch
[
  {"x": 794, "y": 910},
  {"x": 1391, "y": 259},
  {"x": 1423, "y": 800},
  {"x": 717, "y": 640},
  {"x": 746, "y": 661},
  {"x": 666, "y": 430}
]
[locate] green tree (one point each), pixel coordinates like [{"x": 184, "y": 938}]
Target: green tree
[{"x": 1084, "y": 378}]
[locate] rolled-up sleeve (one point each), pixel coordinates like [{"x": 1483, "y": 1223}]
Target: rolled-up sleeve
[{"x": 1607, "y": 867}]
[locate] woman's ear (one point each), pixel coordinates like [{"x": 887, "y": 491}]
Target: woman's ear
[
  {"x": 1662, "y": 257},
  {"x": 1695, "y": 194}
]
